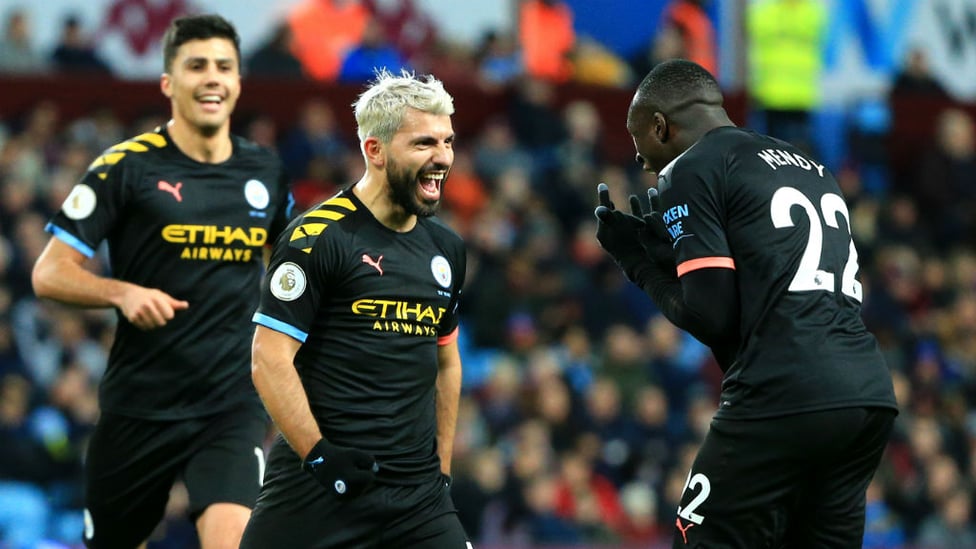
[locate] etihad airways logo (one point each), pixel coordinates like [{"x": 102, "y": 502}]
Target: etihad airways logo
[
  {"x": 400, "y": 316},
  {"x": 214, "y": 243}
]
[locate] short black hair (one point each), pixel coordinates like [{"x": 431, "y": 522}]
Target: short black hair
[
  {"x": 675, "y": 84},
  {"x": 197, "y": 27}
]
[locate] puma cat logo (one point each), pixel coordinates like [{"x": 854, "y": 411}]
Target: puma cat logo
[
  {"x": 171, "y": 189},
  {"x": 375, "y": 264}
]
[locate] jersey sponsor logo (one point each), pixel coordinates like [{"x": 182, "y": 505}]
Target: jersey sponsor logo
[
  {"x": 400, "y": 316},
  {"x": 80, "y": 202},
  {"x": 213, "y": 243},
  {"x": 171, "y": 189},
  {"x": 288, "y": 282},
  {"x": 672, "y": 218},
  {"x": 778, "y": 158},
  {"x": 441, "y": 270},
  {"x": 256, "y": 194},
  {"x": 374, "y": 264}
]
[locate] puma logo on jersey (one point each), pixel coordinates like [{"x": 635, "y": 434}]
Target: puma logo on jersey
[
  {"x": 171, "y": 189},
  {"x": 683, "y": 529},
  {"x": 375, "y": 264}
]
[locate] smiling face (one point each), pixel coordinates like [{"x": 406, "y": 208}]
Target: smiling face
[
  {"x": 418, "y": 160},
  {"x": 203, "y": 84}
]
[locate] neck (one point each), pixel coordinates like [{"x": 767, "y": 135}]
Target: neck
[
  {"x": 374, "y": 192},
  {"x": 208, "y": 149},
  {"x": 698, "y": 122}
]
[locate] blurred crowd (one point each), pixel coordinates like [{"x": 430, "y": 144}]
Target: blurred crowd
[{"x": 582, "y": 406}]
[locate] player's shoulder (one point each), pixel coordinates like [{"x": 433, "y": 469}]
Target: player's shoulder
[
  {"x": 328, "y": 219},
  {"x": 250, "y": 150},
  {"x": 144, "y": 147},
  {"x": 440, "y": 230}
]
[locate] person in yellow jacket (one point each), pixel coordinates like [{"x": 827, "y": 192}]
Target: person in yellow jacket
[{"x": 785, "y": 52}]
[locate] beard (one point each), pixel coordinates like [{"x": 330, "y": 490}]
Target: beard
[{"x": 403, "y": 190}]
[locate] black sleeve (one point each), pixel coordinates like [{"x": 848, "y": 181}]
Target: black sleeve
[{"x": 704, "y": 303}]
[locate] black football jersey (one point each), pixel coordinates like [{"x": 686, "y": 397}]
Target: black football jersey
[
  {"x": 370, "y": 307},
  {"x": 195, "y": 231},
  {"x": 737, "y": 199}
]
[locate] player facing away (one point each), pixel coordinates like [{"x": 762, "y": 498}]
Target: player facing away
[
  {"x": 750, "y": 250},
  {"x": 186, "y": 211},
  {"x": 355, "y": 351}
]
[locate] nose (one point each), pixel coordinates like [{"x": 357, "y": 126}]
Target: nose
[
  {"x": 642, "y": 163},
  {"x": 443, "y": 155}
]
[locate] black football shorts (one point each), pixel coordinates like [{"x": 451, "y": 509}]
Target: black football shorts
[
  {"x": 295, "y": 511},
  {"x": 797, "y": 481},
  {"x": 132, "y": 464}
]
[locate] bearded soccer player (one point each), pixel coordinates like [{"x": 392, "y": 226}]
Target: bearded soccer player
[
  {"x": 750, "y": 250},
  {"x": 186, "y": 211},
  {"x": 355, "y": 354}
]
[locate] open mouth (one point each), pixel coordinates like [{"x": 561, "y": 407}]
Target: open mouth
[
  {"x": 211, "y": 102},
  {"x": 430, "y": 185}
]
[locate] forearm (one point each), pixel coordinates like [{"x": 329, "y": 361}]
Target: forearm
[
  {"x": 64, "y": 280},
  {"x": 704, "y": 303},
  {"x": 448, "y": 389},
  {"x": 283, "y": 395}
]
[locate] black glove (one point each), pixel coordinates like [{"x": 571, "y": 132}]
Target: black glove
[
  {"x": 654, "y": 236},
  {"x": 618, "y": 233},
  {"x": 346, "y": 471}
]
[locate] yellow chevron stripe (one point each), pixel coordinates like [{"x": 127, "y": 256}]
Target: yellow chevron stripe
[
  {"x": 327, "y": 214},
  {"x": 109, "y": 159},
  {"x": 340, "y": 202},
  {"x": 310, "y": 229},
  {"x": 153, "y": 139},
  {"x": 130, "y": 146},
  {"x": 307, "y": 250}
]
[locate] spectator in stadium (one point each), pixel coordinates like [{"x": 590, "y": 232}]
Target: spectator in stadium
[
  {"x": 916, "y": 78},
  {"x": 186, "y": 210},
  {"x": 274, "y": 58},
  {"x": 710, "y": 255},
  {"x": 785, "y": 50},
  {"x": 945, "y": 184},
  {"x": 697, "y": 32},
  {"x": 75, "y": 54},
  {"x": 17, "y": 53},
  {"x": 373, "y": 53},
  {"x": 366, "y": 394},
  {"x": 547, "y": 39},
  {"x": 324, "y": 30}
]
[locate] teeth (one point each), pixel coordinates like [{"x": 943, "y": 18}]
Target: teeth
[
  {"x": 434, "y": 176},
  {"x": 210, "y": 98}
]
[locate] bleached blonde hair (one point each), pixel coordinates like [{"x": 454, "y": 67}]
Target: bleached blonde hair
[{"x": 380, "y": 109}]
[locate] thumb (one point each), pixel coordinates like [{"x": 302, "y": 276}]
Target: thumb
[
  {"x": 178, "y": 304},
  {"x": 603, "y": 213}
]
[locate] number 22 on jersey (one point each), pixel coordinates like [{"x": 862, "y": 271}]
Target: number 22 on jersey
[{"x": 809, "y": 276}]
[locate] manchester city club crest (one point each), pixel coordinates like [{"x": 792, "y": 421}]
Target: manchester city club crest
[
  {"x": 441, "y": 270},
  {"x": 256, "y": 194}
]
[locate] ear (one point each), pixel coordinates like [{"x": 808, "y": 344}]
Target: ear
[
  {"x": 166, "y": 85},
  {"x": 661, "y": 128},
  {"x": 375, "y": 152}
]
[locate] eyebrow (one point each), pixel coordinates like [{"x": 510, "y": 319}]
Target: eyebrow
[
  {"x": 428, "y": 138},
  {"x": 218, "y": 60}
]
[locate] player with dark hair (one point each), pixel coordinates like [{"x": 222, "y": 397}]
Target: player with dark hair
[
  {"x": 750, "y": 250},
  {"x": 186, "y": 211},
  {"x": 355, "y": 354}
]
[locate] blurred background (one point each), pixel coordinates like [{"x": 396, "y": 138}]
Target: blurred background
[{"x": 582, "y": 407}]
